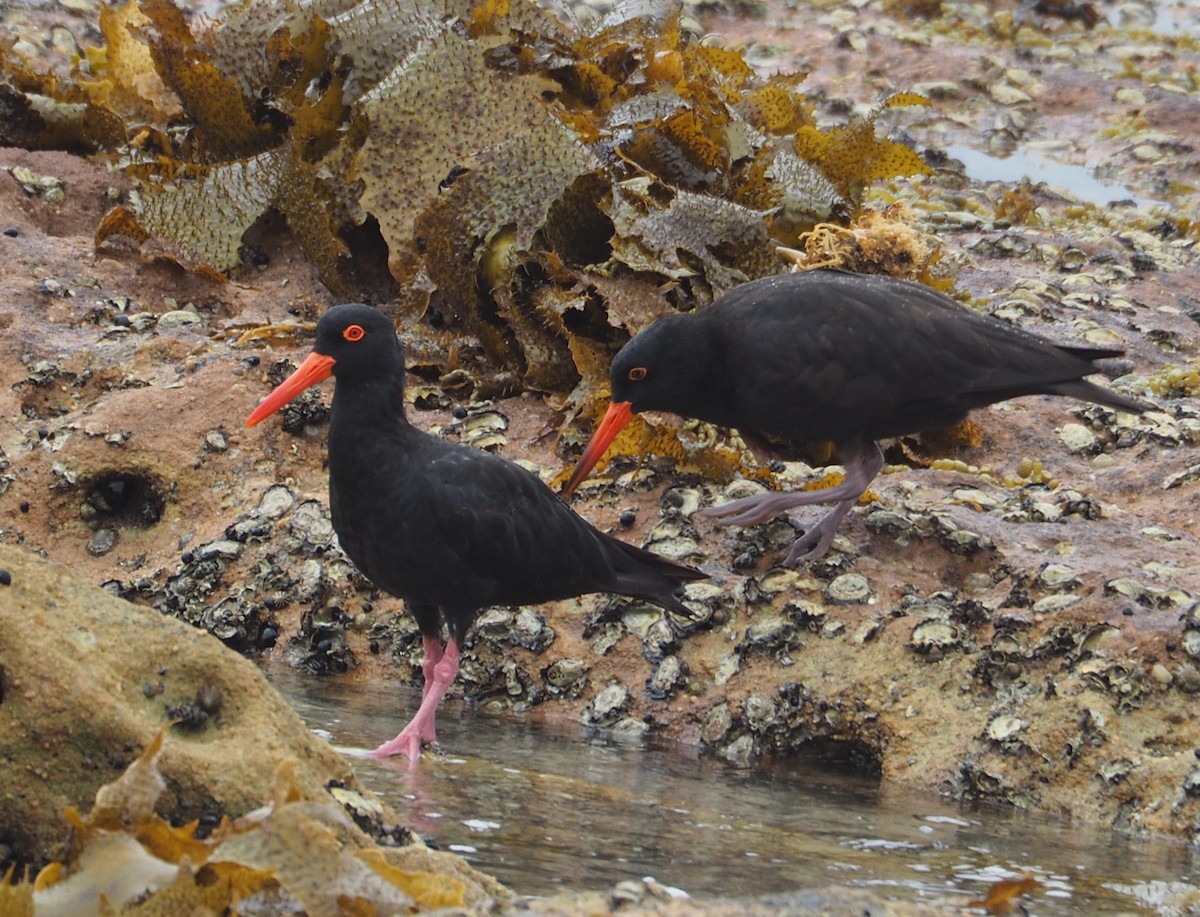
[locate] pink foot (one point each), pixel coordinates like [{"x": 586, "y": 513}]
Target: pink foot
[{"x": 422, "y": 726}]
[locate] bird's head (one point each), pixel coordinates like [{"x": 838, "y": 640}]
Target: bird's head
[
  {"x": 661, "y": 369},
  {"x": 353, "y": 341}
]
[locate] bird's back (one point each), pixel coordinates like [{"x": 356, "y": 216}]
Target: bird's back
[
  {"x": 462, "y": 529},
  {"x": 828, "y": 355}
]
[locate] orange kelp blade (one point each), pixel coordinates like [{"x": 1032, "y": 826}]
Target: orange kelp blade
[
  {"x": 313, "y": 370},
  {"x": 619, "y": 413}
]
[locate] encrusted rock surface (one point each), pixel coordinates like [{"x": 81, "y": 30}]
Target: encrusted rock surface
[{"x": 1017, "y": 622}]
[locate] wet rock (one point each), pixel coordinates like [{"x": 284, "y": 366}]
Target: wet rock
[
  {"x": 717, "y": 723},
  {"x": 608, "y": 706},
  {"x": 229, "y": 772},
  {"x": 740, "y": 751}
]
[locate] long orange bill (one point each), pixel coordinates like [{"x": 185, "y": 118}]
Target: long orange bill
[
  {"x": 314, "y": 369},
  {"x": 618, "y": 414}
]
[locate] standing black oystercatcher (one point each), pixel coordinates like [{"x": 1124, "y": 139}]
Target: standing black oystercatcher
[
  {"x": 449, "y": 529},
  {"x": 831, "y": 356}
]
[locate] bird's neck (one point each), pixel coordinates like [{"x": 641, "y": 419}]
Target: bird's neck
[{"x": 373, "y": 402}]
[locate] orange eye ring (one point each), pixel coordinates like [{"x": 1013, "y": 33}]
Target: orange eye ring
[
  {"x": 637, "y": 374},
  {"x": 354, "y": 333}
]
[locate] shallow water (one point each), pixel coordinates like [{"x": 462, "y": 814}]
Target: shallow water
[
  {"x": 1078, "y": 181},
  {"x": 543, "y": 810}
]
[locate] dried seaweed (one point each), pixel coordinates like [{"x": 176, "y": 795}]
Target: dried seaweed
[
  {"x": 543, "y": 187},
  {"x": 291, "y": 856}
]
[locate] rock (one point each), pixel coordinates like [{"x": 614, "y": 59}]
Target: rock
[{"x": 75, "y": 660}]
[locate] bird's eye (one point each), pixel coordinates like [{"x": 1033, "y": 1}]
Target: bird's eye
[
  {"x": 354, "y": 333},
  {"x": 637, "y": 374}
]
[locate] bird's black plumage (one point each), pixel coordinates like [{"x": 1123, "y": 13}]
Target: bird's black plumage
[
  {"x": 450, "y": 529},
  {"x": 849, "y": 358}
]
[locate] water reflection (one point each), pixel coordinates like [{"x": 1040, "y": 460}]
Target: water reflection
[
  {"x": 1076, "y": 180},
  {"x": 542, "y": 810}
]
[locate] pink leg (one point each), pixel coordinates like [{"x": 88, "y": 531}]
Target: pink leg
[
  {"x": 433, "y": 652},
  {"x": 408, "y": 742},
  {"x": 861, "y": 467}
]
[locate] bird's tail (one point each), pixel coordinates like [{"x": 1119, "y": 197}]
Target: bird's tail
[
  {"x": 653, "y": 578},
  {"x": 1089, "y": 391}
]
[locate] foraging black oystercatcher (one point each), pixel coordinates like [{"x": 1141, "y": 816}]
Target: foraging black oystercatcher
[
  {"x": 449, "y": 529},
  {"x": 830, "y": 356}
]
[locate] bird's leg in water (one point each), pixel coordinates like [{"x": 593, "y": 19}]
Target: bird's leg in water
[
  {"x": 408, "y": 742},
  {"x": 861, "y": 464},
  {"x": 433, "y": 653}
]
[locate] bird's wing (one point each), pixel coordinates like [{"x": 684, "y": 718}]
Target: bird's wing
[
  {"x": 848, "y": 348},
  {"x": 513, "y": 540}
]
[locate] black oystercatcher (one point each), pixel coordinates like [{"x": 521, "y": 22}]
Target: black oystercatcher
[
  {"x": 831, "y": 356},
  {"x": 449, "y": 529}
]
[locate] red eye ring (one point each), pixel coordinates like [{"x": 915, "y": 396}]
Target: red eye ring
[
  {"x": 637, "y": 374},
  {"x": 354, "y": 333}
]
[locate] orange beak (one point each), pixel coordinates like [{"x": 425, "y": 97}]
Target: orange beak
[
  {"x": 316, "y": 368},
  {"x": 618, "y": 415}
]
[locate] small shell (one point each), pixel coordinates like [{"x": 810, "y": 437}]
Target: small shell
[
  {"x": 1191, "y": 783},
  {"x": 1077, "y": 438},
  {"x": 1056, "y": 602},
  {"x": 1115, "y": 771},
  {"x": 739, "y": 489},
  {"x": 639, "y": 618},
  {"x": 1058, "y": 576},
  {"x": 717, "y": 724},
  {"x": 1127, "y": 587},
  {"x": 807, "y": 614},
  {"x": 608, "y": 706},
  {"x": 566, "y": 675},
  {"x": 488, "y": 442},
  {"x": 975, "y": 497},
  {"x": 849, "y": 589},
  {"x": 1006, "y": 644},
  {"x": 177, "y": 318},
  {"x": 668, "y": 675},
  {"x": 777, "y": 580},
  {"x": 276, "y": 501},
  {"x": 484, "y": 422},
  {"x": 768, "y": 634},
  {"x": 1045, "y": 512},
  {"x": 727, "y": 668},
  {"x": 934, "y": 634},
  {"x": 673, "y": 539},
  {"x": 759, "y": 711},
  {"x": 680, "y": 501},
  {"x": 311, "y": 526},
  {"x": 1096, "y": 636},
  {"x": 1191, "y": 643},
  {"x": 1004, "y": 727},
  {"x": 531, "y": 631}
]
